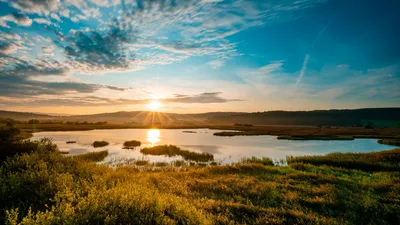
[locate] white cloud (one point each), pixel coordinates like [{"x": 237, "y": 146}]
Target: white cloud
[
  {"x": 19, "y": 19},
  {"x": 55, "y": 16},
  {"x": 303, "y": 68},
  {"x": 42, "y": 21},
  {"x": 41, "y": 7},
  {"x": 215, "y": 64}
]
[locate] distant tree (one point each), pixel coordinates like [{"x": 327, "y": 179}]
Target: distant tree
[
  {"x": 369, "y": 125},
  {"x": 33, "y": 121},
  {"x": 9, "y": 134}
]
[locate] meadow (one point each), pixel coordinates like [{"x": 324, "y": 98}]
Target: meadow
[
  {"x": 39, "y": 185},
  {"x": 43, "y": 186}
]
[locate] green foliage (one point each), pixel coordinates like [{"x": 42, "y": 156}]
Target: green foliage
[
  {"x": 395, "y": 142},
  {"x": 49, "y": 188},
  {"x": 46, "y": 187},
  {"x": 98, "y": 144},
  {"x": 264, "y": 160},
  {"x": 12, "y": 143},
  {"x": 132, "y": 144},
  {"x": 93, "y": 156},
  {"x": 374, "y": 161},
  {"x": 171, "y": 150}
]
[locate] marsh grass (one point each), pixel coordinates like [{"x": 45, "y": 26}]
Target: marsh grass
[
  {"x": 49, "y": 188},
  {"x": 395, "y": 142},
  {"x": 132, "y": 144},
  {"x": 43, "y": 186},
  {"x": 171, "y": 150},
  {"x": 374, "y": 161},
  {"x": 98, "y": 144},
  {"x": 93, "y": 156},
  {"x": 264, "y": 161}
]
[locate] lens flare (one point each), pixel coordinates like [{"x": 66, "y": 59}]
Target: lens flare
[
  {"x": 154, "y": 105},
  {"x": 153, "y": 136}
]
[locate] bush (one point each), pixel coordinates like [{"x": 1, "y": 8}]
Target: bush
[
  {"x": 98, "y": 144},
  {"x": 132, "y": 144},
  {"x": 12, "y": 143}
]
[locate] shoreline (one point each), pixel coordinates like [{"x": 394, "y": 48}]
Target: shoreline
[{"x": 281, "y": 132}]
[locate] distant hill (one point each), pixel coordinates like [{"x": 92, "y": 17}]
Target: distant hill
[
  {"x": 379, "y": 117},
  {"x": 390, "y": 117},
  {"x": 23, "y": 115}
]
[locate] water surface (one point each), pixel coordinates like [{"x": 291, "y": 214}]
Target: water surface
[{"x": 224, "y": 149}]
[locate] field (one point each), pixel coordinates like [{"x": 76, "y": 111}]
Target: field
[{"x": 39, "y": 185}]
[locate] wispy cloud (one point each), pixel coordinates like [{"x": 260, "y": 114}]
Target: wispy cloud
[
  {"x": 303, "y": 68},
  {"x": 215, "y": 64}
]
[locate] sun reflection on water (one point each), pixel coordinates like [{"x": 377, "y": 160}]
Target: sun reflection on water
[{"x": 153, "y": 136}]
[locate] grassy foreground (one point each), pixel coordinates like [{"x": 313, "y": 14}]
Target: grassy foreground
[{"x": 43, "y": 186}]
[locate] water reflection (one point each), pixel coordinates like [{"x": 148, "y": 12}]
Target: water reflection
[{"x": 153, "y": 136}]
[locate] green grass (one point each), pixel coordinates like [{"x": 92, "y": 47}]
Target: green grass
[
  {"x": 372, "y": 162},
  {"x": 132, "y": 144},
  {"x": 98, "y": 144},
  {"x": 171, "y": 150},
  {"x": 395, "y": 142},
  {"x": 43, "y": 186},
  {"x": 93, "y": 156},
  {"x": 264, "y": 161}
]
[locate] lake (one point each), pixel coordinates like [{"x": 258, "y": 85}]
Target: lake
[{"x": 224, "y": 149}]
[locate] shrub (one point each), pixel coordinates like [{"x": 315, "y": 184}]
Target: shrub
[
  {"x": 98, "y": 144},
  {"x": 132, "y": 144}
]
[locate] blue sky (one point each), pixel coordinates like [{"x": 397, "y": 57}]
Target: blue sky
[{"x": 197, "y": 56}]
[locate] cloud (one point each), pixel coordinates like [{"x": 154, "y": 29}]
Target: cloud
[
  {"x": 215, "y": 64},
  {"x": 42, "y": 21},
  {"x": 208, "y": 97},
  {"x": 36, "y": 6},
  {"x": 303, "y": 68},
  {"x": 16, "y": 18},
  {"x": 91, "y": 52},
  {"x": 7, "y": 48},
  {"x": 92, "y": 100},
  {"x": 48, "y": 50}
]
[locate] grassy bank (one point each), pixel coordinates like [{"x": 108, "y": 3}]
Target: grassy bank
[
  {"x": 322, "y": 138},
  {"x": 93, "y": 156},
  {"x": 43, "y": 186},
  {"x": 372, "y": 162},
  {"x": 171, "y": 150},
  {"x": 395, "y": 142}
]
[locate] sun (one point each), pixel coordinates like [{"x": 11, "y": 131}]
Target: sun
[{"x": 154, "y": 105}]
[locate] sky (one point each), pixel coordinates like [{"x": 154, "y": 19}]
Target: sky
[{"x": 193, "y": 56}]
